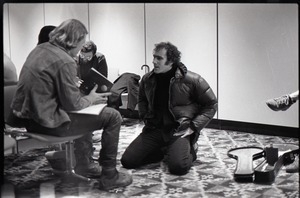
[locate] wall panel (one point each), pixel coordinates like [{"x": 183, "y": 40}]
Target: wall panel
[
  {"x": 25, "y": 22},
  {"x": 192, "y": 28},
  {"x": 258, "y": 60},
  {"x": 6, "y": 36},
  {"x": 118, "y": 31},
  {"x": 56, "y": 13}
]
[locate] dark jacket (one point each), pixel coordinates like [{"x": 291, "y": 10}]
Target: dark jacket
[{"x": 191, "y": 100}]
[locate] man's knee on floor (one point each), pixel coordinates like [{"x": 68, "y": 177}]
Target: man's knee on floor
[
  {"x": 179, "y": 168},
  {"x": 128, "y": 162}
]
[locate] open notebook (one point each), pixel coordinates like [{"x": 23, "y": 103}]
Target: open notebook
[{"x": 91, "y": 110}]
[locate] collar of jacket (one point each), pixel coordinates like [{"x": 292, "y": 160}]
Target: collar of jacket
[{"x": 179, "y": 73}]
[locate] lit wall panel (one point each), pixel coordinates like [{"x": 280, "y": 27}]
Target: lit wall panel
[
  {"x": 25, "y": 22},
  {"x": 6, "y": 36},
  {"x": 192, "y": 28},
  {"x": 258, "y": 60},
  {"x": 56, "y": 13},
  {"x": 118, "y": 31}
]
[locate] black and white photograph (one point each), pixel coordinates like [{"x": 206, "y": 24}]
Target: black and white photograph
[{"x": 150, "y": 99}]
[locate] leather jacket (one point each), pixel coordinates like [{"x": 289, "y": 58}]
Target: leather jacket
[{"x": 191, "y": 100}]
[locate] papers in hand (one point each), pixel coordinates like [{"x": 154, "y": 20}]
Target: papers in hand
[{"x": 91, "y": 110}]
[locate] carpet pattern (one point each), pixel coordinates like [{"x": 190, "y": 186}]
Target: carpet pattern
[{"x": 211, "y": 175}]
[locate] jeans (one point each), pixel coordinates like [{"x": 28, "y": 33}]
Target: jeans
[
  {"x": 149, "y": 147},
  {"x": 109, "y": 120}
]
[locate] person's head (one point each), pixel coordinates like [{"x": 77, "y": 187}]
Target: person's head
[
  {"x": 44, "y": 34},
  {"x": 70, "y": 35},
  {"x": 87, "y": 51},
  {"x": 165, "y": 54}
]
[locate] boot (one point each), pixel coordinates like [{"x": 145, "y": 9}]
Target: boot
[
  {"x": 83, "y": 153},
  {"x": 111, "y": 178}
]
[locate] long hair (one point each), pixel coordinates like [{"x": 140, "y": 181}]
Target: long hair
[
  {"x": 68, "y": 34},
  {"x": 173, "y": 54}
]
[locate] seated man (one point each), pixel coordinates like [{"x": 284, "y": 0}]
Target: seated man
[
  {"x": 175, "y": 105},
  {"x": 47, "y": 92},
  {"x": 88, "y": 58}
]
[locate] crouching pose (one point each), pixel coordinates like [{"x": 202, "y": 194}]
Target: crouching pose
[{"x": 175, "y": 104}]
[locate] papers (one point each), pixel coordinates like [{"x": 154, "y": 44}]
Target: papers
[{"x": 91, "y": 110}]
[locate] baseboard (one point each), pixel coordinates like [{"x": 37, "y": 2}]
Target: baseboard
[{"x": 255, "y": 128}]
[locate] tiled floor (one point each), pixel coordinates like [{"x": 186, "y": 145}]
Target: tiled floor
[{"x": 210, "y": 176}]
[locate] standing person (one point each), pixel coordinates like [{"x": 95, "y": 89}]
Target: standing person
[
  {"x": 47, "y": 92},
  {"x": 175, "y": 105},
  {"x": 88, "y": 58}
]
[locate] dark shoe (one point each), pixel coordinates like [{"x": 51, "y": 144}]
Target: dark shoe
[
  {"x": 281, "y": 103},
  {"x": 293, "y": 167},
  {"x": 93, "y": 170},
  {"x": 57, "y": 160},
  {"x": 119, "y": 180}
]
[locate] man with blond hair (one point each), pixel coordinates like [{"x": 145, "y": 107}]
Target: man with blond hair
[{"x": 47, "y": 93}]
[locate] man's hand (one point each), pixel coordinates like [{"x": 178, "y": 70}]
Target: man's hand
[
  {"x": 99, "y": 98},
  {"x": 184, "y": 133},
  {"x": 78, "y": 82}
]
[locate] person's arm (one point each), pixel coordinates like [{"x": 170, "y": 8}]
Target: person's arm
[
  {"x": 69, "y": 94},
  {"x": 208, "y": 105},
  {"x": 102, "y": 65},
  {"x": 142, "y": 100}
]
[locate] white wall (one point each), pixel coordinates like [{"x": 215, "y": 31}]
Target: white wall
[
  {"x": 118, "y": 31},
  {"x": 190, "y": 27},
  {"x": 248, "y": 54},
  {"x": 258, "y": 60}
]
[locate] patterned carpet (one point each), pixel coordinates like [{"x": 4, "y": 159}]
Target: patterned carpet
[{"x": 211, "y": 175}]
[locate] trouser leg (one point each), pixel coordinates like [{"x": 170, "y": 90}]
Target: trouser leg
[
  {"x": 145, "y": 149},
  {"x": 179, "y": 156},
  {"x": 84, "y": 150},
  {"x": 110, "y": 137}
]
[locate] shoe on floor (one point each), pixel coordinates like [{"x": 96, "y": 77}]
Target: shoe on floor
[
  {"x": 293, "y": 167},
  {"x": 281, "y": 103},
  {"x": 119, "y": 180},
  {"x": 92, "y": 171}
]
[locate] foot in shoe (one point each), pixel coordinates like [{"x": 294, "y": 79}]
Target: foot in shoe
[
  {"x": 119, "y": 180},
  {"x": 281, "y": 103},
  {"x": 93, "y": 170}
]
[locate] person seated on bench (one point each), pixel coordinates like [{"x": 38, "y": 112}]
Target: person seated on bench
[{"x": 47, "y": 92}]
